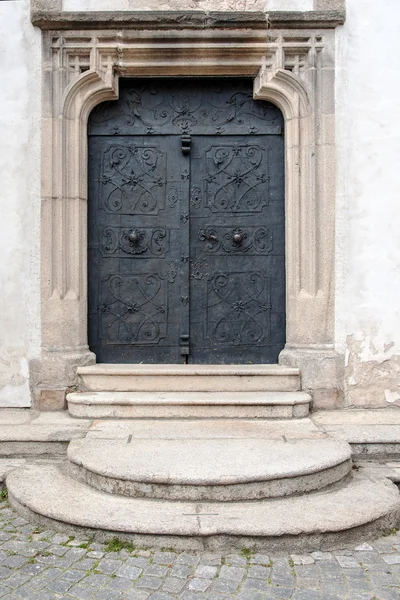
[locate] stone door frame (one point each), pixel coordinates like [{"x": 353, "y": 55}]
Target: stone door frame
[{"x": 292, "y": 66}]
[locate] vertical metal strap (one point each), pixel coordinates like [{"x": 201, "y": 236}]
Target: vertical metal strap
[{"x": 184, "y": 270}]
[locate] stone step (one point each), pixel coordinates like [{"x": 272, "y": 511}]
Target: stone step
[
  {"x": 170, "y": 405},
  {"x": 189, "y": 378},
  {"x": 326, "y": 519},
  {"x": 266, "y": 429},
  {"x": 208, "y": 469},
  {"x": 372, "y": 433},
  {"x": 34, "y": 433}
]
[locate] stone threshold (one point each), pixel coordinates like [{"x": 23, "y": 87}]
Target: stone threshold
[
  {"x": 186, "y": 370},
  {"x": 372, "y": 434},
  {"x": 314, "y": 19}
]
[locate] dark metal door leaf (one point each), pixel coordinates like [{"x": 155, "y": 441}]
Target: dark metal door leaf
[{"x": 186, "y": 224}]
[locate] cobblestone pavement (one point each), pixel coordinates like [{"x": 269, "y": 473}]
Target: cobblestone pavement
[{"x": 38, "y": 564}]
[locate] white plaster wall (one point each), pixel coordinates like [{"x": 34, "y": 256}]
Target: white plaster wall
[
  {"x": 368, "y": 207},
  {"x": 19, "y": 200}
]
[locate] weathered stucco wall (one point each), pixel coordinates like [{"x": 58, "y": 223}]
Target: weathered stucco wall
[
  {"x": 19, "y": 200},
  {"x": 368, "y": 211}
]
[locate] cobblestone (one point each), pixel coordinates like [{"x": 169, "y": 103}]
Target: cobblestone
[{"x": 46, "y": 565}]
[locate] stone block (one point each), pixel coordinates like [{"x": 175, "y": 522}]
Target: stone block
[
  {"x": 232, "y": 573},
  {"x": 328, "y": 399},
  {"x": 206, "y": 572},
  {"x": 51, "y": 399},
  {"x": 328, "y": 91}
]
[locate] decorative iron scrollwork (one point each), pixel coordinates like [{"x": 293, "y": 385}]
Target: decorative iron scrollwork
[
  {"x": 153, "y": 242},
  {"x": 152, "y": 108},
  {"x": 172, "y": 197},
  {"x": 134, "y": 309},
  {"x": 195, "y": 197},
  {"x": 133, "y": 178},
  {"x": 197, "y": 270},
  {"x": 236, "y": 178},
  {"x": 172, "y": 271},
  {"x": 237, "y": 304},
  {"x": 236, "y": 240}
]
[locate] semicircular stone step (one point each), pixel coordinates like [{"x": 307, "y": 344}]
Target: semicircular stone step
[
  {"x": 208, "y": 469},
  {"x": 327, "y": 519}
]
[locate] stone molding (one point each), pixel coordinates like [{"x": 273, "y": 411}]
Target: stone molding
[
  {"x": 198, "y": 19},
  {"x": 292, "y": 68}
]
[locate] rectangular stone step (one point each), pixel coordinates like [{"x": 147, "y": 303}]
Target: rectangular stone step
[
  {"x": 189, "y": 378},
  {"x": 204, "y": 405}
]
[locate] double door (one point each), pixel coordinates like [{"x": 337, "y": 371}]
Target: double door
[{"x": 186, "y": 225}]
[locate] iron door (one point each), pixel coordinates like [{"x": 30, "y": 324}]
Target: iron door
[
  {"x": 237, "y": 234},
  {"x": 134, "y": 249},
  {"x": 186, "y": 224}
]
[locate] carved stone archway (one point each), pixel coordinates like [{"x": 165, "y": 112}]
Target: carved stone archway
[{"x": 293, "y": 68}]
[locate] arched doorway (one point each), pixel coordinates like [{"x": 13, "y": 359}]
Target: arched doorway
[{"x": 186, "y": 224}]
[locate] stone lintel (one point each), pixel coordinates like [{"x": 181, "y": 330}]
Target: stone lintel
[{"x": 314, "y": 19}]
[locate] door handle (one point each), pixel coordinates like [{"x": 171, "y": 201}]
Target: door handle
[
  {"x": 133, "y": 237},
  {"x": 204, "y": 235},
  {"x": 237, "y": 238}
]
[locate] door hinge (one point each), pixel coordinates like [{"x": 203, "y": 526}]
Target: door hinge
[
  {"x": 186, "y": 141},
  {"x": 184, "y": 345}
]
